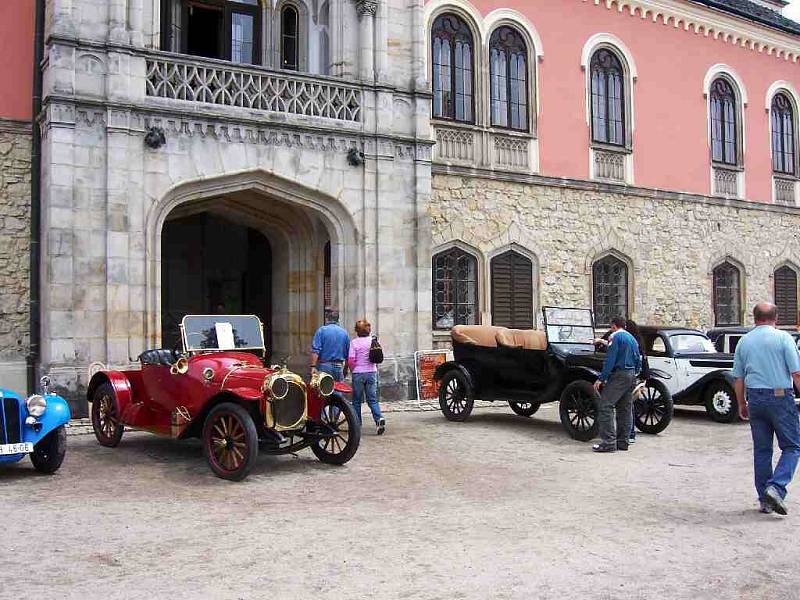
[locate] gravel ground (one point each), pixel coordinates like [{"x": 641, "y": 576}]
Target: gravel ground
[{"x": 498, "y": 507}]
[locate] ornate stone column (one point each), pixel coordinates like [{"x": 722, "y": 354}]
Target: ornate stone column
[{"x": 366, "y": 15}]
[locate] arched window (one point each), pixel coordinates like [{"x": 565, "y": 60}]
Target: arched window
[
  {"x": 290, "y": 29},
  {"x": 608, "y": 98},
  {"x": 783, "y": 156},
  {"x": 455, "y": 289},
  {"x": 727, "y": 295},
  {"x": 509, "y": 79},
  {"x": 512, "y": 290},
  {"x": 610, "y": 289},
  {"x": 451, "y": 43},
  {"x": 785, "y": 280},
  {"x": 724, "y": 123}
]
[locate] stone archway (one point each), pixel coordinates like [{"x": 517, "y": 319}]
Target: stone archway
[{"x": 298, "y": 222}]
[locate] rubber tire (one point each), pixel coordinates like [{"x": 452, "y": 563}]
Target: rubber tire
[
  {"x": 517, "y": 407},
  {"x": 251, "y": 439},
  {"x": 716, "y": 386},
  {"x": 49, "y": 453},
  {"x": 114, "y": 440},
  {"x": 668, "y": 410},
  {"x": 353, "y": 439},
  {"x": 585, "y": 388},
  {"x": 469, "y": 400}
]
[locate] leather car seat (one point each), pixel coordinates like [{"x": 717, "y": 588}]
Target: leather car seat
[{"x": 160, "y": 356}]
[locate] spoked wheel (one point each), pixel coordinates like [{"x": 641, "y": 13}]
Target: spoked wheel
[
  {"x": 721, "y": 403},
  {"x": 653, "y": 409},
  {"x": 578, "y": 410},
  {"x": 455, "y": 396},
  {"x": 339, "y": 419},
  {"x": 49, "y": 453},
  {"x": 524, "y": 409},
  {"x": 106, "y": 422},
  {"x": 230, "y": 441}
]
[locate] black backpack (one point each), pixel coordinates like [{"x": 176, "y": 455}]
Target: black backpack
[{"x": 375, "y": 351}]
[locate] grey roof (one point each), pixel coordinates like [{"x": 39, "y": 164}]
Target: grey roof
[{"x": 754, "y": 12}]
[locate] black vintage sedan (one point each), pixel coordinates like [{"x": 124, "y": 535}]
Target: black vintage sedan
[{"x": 528, "y": 368}]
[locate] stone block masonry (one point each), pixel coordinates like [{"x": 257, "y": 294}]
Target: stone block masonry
[{"x": 15, "y": 197}]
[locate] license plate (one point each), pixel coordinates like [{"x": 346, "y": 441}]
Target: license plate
[{"x": 25, "y": 448}]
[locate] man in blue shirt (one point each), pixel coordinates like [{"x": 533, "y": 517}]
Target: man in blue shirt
[
  {"x": 765, "y": 364},
  {"x": 623, "y": 362},
  {"x": 330, "y": 347}
]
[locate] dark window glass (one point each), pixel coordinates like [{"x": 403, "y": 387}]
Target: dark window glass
[
  {"x": 512, "y": 290},
  {"x": 724, "y": 139},
  {"x": 326, "y": 283},
  {"x": 289, "y": 33},
  {"x": 451, "y": 42},
  {"x": 783, "y": 160},
  {"x": 509, "y": 79},
  {"x": 608, "y": 98},
  {"x": 786, "y": 295},
  {"x": 610, "y": 283},
  {"x": 727, "y": 295},
  {"x": 455, "y": 289}
]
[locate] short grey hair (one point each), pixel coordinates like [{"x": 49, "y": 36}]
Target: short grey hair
[{"x": 331, "y": 315}]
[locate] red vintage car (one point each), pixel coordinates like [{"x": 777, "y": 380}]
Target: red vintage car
[{"x": 218, "y": 389}]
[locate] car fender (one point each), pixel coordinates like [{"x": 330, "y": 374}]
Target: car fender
[
  {"x": 581, "y": 372},
  {"x": 698, "y": 387},
  {"x": 118, "y": 381},
  {"x": 452, "y": 365},
  {"x": 246, "y": 393},
  {"x": 55, "y": 415}
]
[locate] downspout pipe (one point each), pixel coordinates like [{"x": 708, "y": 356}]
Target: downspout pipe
[{"x": 36, "y": 197}]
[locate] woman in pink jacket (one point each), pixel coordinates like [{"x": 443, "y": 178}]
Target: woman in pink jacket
[{"x": 365, "y": 375}]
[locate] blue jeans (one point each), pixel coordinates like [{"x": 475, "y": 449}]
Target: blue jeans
[
  {"x": 331, "y": 369},
  {"x": 773, "y": 415},
  {"x": 366, "y": 383}
]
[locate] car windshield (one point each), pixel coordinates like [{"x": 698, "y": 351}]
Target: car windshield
[
  {"x": 222, "y": 332},
  {"x": 569, "y": 325},
  {"x": 690, "y": 343}
]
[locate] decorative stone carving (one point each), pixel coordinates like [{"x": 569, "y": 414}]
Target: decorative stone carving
[
  {"x": 511, "y": 152},
  {"x": 784, "y": 191},
  {"x": 454, "y": 144},
  {"x": 609, "y": 165},
  {"x": 726, "y": 182},
  {"x": 192, "y": 81},
  {"x": 366, "y": 7}
]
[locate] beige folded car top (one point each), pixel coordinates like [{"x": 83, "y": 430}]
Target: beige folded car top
[{"x": 490, "y": 336}]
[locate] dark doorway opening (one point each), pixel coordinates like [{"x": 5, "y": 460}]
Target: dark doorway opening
[
  {"x": 210, "y": 265},
  {"x": 204, "y": 30}
]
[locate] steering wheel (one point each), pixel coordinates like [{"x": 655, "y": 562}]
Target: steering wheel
[{"x": 565, "y": 332}]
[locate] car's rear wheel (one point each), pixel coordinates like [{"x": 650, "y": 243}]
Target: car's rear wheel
[
  {"x": 339, "y": 419},
  {"x": 524, "y": 409},
  {"x": 230, "y": 441},
  {"x": 721, "y": 402},
  {"x": 578, "y": 410},
  {"x": 106, "y": 422},
  {"x": 49, "y": 453},
  {"x": 653, "y": 409},
  {"x": 455, "y": 396}
]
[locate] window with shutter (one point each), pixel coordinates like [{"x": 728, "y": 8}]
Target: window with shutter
[
  {"x": 786, "y": 295},
  {"x": 512, "y": 290}
]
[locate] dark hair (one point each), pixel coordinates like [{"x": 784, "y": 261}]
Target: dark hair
[
  {"x": 363, "y": 328},
  {"x": 620, "y": 322},
  {"x": 765, "y": 312},
  {"x": 331, "y": 315},
  {"x": 632, "y": 328}
]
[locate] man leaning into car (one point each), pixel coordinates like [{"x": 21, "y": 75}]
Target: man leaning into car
[
  {"x": 766, "y": 362},
  {"x": 617, "y": 380}
]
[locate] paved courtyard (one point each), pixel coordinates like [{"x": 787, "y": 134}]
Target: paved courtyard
[{"x": 498, "y": 507}]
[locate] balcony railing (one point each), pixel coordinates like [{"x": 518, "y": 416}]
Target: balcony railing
[{"x": 211, "y": 82}]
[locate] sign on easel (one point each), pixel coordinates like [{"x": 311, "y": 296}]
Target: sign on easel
[{"x": 425, "y": 365}]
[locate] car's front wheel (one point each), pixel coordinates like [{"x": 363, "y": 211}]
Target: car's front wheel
[
  {"x": 230, "y": 441},
  {"x": 106, "y": 422},
  {"x": 455, "y": 396},
  {"x": 339, "y": 422},
  {"x": 653, "y": 408},
  {"x": 578, "y": 410},
  {"x": 524, "y": 409},
  {"x": 49, "y": 453},
  {"x": 721, "y": 402}
]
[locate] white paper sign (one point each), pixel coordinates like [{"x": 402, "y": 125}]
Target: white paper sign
[{"x": 225, "y": 339}]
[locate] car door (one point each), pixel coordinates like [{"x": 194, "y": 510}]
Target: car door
[
  {"x": 659, "y": 357},
  {"x": 162, "y": 386}
]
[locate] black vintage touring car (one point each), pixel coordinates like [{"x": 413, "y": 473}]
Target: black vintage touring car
[{"x": 528, "y": 368}]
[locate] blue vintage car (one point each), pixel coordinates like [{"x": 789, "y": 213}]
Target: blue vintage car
[{"x": 34, "y": 426}]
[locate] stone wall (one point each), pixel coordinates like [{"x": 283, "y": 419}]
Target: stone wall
[
  {"x": 15, "y": 198},
  {"x": 671, "y": 241}
]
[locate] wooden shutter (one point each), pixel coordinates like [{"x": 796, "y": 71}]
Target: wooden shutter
[
  {"x": 786, "y": 295},
  {"x": 512, "y": 291}
]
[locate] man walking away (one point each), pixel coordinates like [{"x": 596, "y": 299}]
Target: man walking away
[
  {"x": 623, "y": 362},
  {"x": 765, "y": 364},
  {"x": 330, "y": 347}
]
